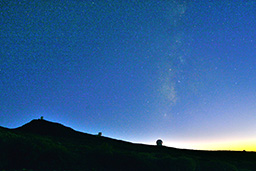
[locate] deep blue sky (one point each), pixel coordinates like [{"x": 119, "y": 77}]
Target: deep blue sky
[{"x": 182, "y": 71}]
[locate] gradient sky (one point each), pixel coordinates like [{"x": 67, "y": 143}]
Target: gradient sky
[{"x": 182, "y": 71}]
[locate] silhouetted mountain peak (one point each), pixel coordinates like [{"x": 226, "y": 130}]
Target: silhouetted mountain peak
[{"x": 44, "y": 127}]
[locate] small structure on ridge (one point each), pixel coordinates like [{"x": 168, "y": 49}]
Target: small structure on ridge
[{"x": 159, "y": 142}]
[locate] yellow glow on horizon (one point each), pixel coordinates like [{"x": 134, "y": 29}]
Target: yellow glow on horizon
[
  {"x": 229, "y": 146},
  {"x": 232, "y": 145}
]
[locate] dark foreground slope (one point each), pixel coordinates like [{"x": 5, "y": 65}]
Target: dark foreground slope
[{"x": 44, "y": 145}]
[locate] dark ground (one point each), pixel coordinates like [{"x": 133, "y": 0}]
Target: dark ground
[{"x": 44, "y": 145}]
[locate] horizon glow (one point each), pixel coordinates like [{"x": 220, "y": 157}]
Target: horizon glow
[{"x": 184, "y": 72}]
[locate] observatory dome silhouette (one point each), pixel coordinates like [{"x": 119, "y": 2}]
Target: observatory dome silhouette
[{"x": 159, "y": 142}]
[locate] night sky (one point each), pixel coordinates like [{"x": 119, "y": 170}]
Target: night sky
[{"x": 182, "y": 71}]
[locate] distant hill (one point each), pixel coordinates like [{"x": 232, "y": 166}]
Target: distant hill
[
  {"x": 51, "y": 129},
  {"x": 44, "y": 127},
  {"x": 45, "y": 145}
]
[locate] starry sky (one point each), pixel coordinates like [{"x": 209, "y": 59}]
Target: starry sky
[{"x": 182, "y": 71}]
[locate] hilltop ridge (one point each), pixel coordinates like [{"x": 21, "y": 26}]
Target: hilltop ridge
[
  {"x": 44, "y": 127},
  {"x": 45, "y": 145},
  {"x": 47, "y": 128}
]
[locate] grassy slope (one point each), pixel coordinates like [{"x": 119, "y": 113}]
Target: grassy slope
[{"x": 44, "y": 145}]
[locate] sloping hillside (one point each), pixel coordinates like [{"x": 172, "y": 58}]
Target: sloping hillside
[{"x": 44, "y": 145}]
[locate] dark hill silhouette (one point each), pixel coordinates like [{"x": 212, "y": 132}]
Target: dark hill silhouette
[
  {"x": 47, "y": 128},
  {"x": 45, "y": 145},
  {"x": 57, "y": 130}
]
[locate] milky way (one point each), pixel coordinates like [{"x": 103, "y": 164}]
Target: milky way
[{"x": 182, "y": 71}]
